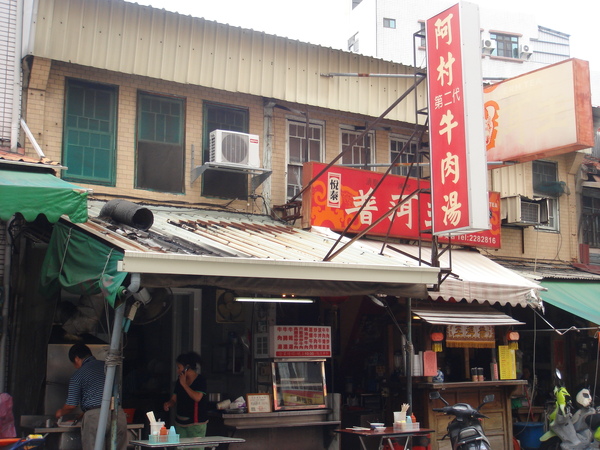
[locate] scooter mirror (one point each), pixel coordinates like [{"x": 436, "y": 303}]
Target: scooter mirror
[
  {"x": 488, "y": 398},
  {"x": 434, "y": 395}
]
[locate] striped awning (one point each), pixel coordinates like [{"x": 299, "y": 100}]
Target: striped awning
[{"x": 458, "y": 314}]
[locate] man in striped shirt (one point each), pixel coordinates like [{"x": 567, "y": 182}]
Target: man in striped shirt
[{"x": 85, "y": 390}]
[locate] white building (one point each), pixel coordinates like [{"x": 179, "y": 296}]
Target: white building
[{"x": 512, "y": 42}]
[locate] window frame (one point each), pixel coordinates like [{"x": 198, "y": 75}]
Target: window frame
[
  {"x": 405, "y": 157},
  {"x": 372, "y": 150},
  {"x": 353, "y": 43},
  {"x": 113, "y": 92},
  {"x": 504, "y": 40},
  {"x": 151, "y": 185},
  {"x": 422, "y": 32},
  {"x": 312, "y": 124},
  {"x": 553, "y": 224},
  {"x": 590, "y": 211},
  {"x": 388, "y": 22}
]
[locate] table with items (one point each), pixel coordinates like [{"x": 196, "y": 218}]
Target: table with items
[
  {"x": 208, "y": 441},
  {"x": 387, "y": 435}
]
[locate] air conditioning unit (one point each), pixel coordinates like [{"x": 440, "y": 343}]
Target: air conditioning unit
[
  {"x": 488, "y": 46},
  {"x": 522, "y": 211},
  {"x": 234, "y": 149},
  {"x": 525, "y": 50}
]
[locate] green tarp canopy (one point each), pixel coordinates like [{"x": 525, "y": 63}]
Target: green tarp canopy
[
  {"x": 81, "y": 264},
  {"x": 33, "y": 193},
  {"x": 581, "y": 298}
]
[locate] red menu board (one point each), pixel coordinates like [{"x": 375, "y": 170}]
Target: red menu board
[{"x": 289, "y": 341}]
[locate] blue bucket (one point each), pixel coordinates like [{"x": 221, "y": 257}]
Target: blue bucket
[{"x": 528, "y": 434}]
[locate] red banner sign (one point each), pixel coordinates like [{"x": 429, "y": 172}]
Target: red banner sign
[{"x": 335, "y": 198}]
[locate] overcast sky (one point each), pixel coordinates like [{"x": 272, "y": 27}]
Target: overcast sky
[{"x": 300, "y": 20}]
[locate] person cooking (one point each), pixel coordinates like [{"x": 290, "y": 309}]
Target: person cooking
[
  {"x": 85, "y": 390},
  {"x": 190, "y": 397}
]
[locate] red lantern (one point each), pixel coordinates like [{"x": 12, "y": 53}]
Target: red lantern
[
  {"x": 513, "y": 339},
  {"x": 436, "y": 341}
]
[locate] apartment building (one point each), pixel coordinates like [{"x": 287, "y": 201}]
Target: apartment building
[{"x": 512, "y": 42}]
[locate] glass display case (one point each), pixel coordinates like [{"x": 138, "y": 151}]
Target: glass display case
[{"x": 299, "y": 384}]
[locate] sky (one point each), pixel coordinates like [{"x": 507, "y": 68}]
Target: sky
[{"x": 298, "y": 20}]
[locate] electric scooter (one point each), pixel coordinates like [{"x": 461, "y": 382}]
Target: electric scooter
[
  {"x": 465, "y": 430},
  {"x": 571, "y": 429}
]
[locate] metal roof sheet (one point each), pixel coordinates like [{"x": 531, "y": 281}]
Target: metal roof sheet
[
  {"x": 546, "y": 270},
  {"x": 12, "y": 158},
  {"x": 129, "y": 38},
  {"x": 220, "y": 233},
  {"x": 220, "y": 244}
]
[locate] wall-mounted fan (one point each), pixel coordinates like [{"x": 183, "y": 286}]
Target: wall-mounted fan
[{"x": 228, "y": 310}]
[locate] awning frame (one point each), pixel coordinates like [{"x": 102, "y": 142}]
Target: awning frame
[{"x": 461, "y": 314}]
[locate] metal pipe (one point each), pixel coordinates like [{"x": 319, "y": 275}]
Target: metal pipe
[
  {"x": 16, "y": 88},
  {"x": 31, "y": 138},
  {"x": 372, "y": 75},
  {"x": 115, "y": 344},
  {"x": 409, "y": 353},
  {"x": 114, "y": 359}
]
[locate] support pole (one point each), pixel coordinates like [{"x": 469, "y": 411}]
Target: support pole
[
  {"x": 113, "y": 361},
  {"x": 409, "y": 353}
]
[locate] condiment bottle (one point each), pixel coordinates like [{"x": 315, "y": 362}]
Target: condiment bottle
[{"x": 163, "y": 431}]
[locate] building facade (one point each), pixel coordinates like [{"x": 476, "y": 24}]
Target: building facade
[
  {"x": 512, "y": 42},
  {"x": 128, "y": 98}
]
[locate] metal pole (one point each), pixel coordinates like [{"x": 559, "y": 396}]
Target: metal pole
[
  {"x": 112, "y": 361},
  {"x": 409, "y": 353}
]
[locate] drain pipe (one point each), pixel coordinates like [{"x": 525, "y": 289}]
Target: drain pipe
[
  {"x": 17, "y": 85},
  {"x": 112, "y": 361}
]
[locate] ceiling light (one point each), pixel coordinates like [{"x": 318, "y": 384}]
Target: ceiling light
[{"x": 274, "y": 299}]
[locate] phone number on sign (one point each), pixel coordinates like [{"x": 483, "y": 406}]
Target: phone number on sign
[{"x": 476, "y": 238}]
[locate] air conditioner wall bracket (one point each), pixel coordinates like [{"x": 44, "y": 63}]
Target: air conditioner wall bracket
[{"x": 258, "y": 175}]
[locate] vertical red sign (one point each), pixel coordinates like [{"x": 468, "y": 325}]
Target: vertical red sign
[{"x": 449, "y": 57}]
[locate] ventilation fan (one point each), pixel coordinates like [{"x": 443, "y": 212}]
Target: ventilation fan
[
  {"x": 233, "y": 148},
  {"x": 228, "y": 310}
]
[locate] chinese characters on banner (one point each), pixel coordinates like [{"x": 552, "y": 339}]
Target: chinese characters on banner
[
  {"x": 337, "y": 195},
  {"x": 300, "y": 341},
  {"x": 456, "y": 124}
]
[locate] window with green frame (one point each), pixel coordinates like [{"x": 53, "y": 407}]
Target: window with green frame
[
  {"x": 218, "y": 183},
  {"x": 89, "y": 132},
  {"x": 160, "y": 143}
]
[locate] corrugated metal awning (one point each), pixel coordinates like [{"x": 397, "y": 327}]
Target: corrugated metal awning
[
  {"x": 186, "y": 247},
  {"x": 463, "y": 315}
]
